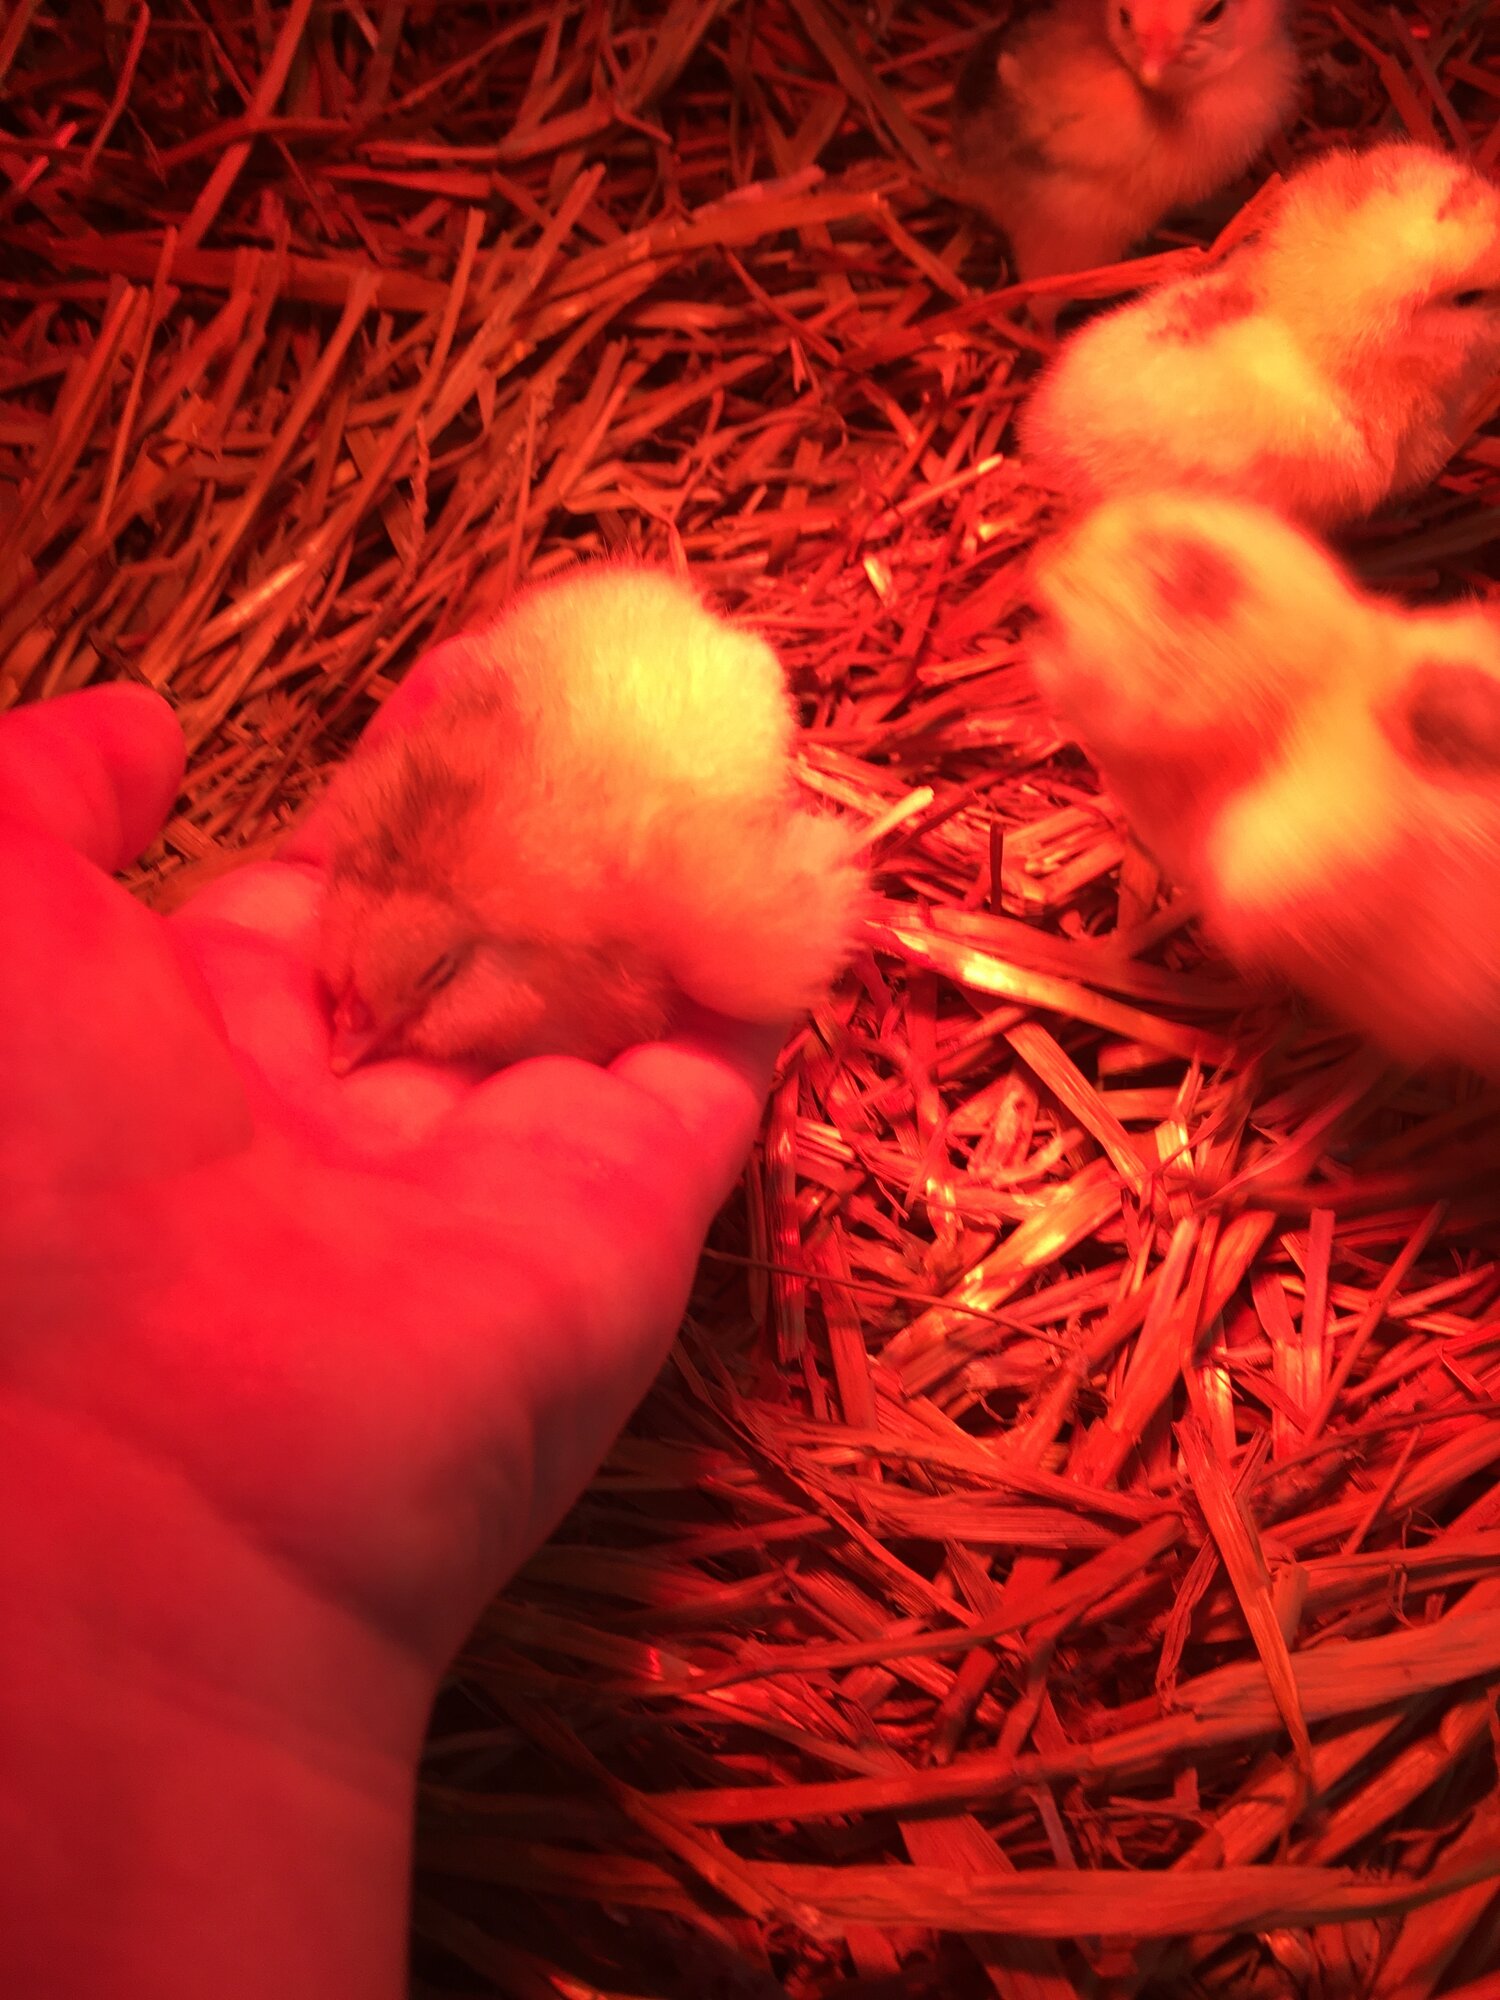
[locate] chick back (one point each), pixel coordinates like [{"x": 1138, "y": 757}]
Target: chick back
[
  {"x": 625, "y": 686},
  {"x": 409, "y": 810}
]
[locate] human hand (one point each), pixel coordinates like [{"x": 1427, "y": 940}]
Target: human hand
[{"x": 294, "y": 1368}]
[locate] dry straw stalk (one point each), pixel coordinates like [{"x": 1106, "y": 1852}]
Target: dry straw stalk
[{"x": 1062, "y": 1558}]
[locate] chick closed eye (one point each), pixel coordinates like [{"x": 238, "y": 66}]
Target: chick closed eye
[
  {"x": 438, "y": 974},
  {"x": 1446, "y": 718}
]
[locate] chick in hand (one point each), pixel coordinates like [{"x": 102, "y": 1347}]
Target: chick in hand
[
  {"x": 1321, "y": 768},
  {"x": 595, "y": 817},
  {"x": 1322, "y": 368},
  {"x": 1079, "y": 124}
]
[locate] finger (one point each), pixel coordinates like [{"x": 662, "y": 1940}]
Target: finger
[
  {"x": 664, "y": 1130},
  {"x": 712, "y": 1076},
  {"x": 275, "y": 900},
  {"x": 436, "y": 671},
  {"x": 596, "y": 1186},
  {"x": 98, "y": 769},
  {"x": 431, "y": 675}
]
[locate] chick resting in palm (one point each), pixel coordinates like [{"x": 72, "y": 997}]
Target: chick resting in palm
[
  {"x": 1327, "y": 365},
  {"x": 594, "y": 818},
  {"x": 1079, "y": 124}
]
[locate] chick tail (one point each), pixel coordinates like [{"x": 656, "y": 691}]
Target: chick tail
[{"x": 789, "y": 903}]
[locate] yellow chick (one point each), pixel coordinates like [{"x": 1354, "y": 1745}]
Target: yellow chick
[
  {"x": 1320, "y": 767},
  {"x": 598, "y": 817},
  {"x": 1078, "y": 125},
  {"x": 1322, "y": 368}
]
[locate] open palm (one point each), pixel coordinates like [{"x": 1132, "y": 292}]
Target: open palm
[{"x": 283, "y": 1346}]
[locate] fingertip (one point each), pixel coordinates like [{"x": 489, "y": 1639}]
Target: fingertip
[
  {"x": 713, "y": 1075},
  {"x": 275, "y": 899},
  {"x": 97, "y": 769},
  {"x": 748, "y": 1049},
  {"x": 308, "y": 839},
  {"x": 137, "y": 732}
]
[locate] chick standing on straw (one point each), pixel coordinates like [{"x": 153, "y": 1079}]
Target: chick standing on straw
[
  {"x": 1080, "y": 124},
  {"x": 1319, "y": 767}
]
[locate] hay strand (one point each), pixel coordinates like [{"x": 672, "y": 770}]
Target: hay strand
[{"x": 1061, "y": 1558}]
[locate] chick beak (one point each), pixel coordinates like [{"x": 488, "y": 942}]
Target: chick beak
[
  {"x": 356, "y": 1035},
  {"x": 1156, "y": 60}
]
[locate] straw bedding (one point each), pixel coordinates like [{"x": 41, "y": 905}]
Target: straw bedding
[{"x": 1062, "y": 1556}]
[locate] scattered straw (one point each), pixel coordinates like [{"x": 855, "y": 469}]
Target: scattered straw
[{"x": 1062, "y": 1558}]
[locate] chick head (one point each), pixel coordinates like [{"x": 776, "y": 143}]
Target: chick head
[
  {"x": 411, "y": 971},
  {"x": 1180, "y": 627},
  {"x": 1391, "y": 257},
  {"x": 1173, "y": 46}
]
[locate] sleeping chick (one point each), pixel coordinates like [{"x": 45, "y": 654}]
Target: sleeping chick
[
  {"x": 595, "y": 819},
  {"x": 1079, "y": 124},
  {"x": 1320, "y": 767},
  {"x": 1323, "y": 368}
]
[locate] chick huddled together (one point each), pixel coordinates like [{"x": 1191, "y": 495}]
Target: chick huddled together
[
  {"x": 1319, "y": 768},
  {"x": 594, "y": 819}
]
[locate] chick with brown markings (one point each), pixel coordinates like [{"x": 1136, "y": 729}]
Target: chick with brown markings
[
  {"x": 595, "y": 818},
  {"x": 1318, "y": 766},
  {"x": 1078, "y": 125},
  {"x": 1324, "y": 367}
]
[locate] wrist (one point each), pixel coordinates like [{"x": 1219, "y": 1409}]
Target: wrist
[
  {"x": 154, "y": 1856},
  {"x": 206, "y": 1770}
]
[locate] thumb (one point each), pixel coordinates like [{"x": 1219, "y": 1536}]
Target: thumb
[
  {"x": 97, "y": 770},
  {"x": 114, "y": 1066}
]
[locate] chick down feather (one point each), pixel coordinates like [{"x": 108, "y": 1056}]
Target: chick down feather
[
  {"x": 595, "y": 818},
  {"x": 1329, "y": 364},
  {"x": 1079, "y": 124},
  {"x": 1318, "y": 766}
]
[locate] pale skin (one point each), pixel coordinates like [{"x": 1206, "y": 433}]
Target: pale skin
[{"x": 294, "y": 1371}]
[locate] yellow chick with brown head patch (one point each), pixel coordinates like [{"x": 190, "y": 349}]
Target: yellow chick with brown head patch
[
  {"x": 1322, "y": 368},
  {"x": 592, "y": 820},
  {"x": 1320, "y": 767},
  {"x": 1078, "y": 125}
]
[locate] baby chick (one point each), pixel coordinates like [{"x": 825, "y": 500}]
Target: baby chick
[
  {"x": 1078, "y": 125},
  {"x": 597, "y": 816},
  {"x": 1320, "y": 767},
  {"x": 1323, "y": 367}
]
